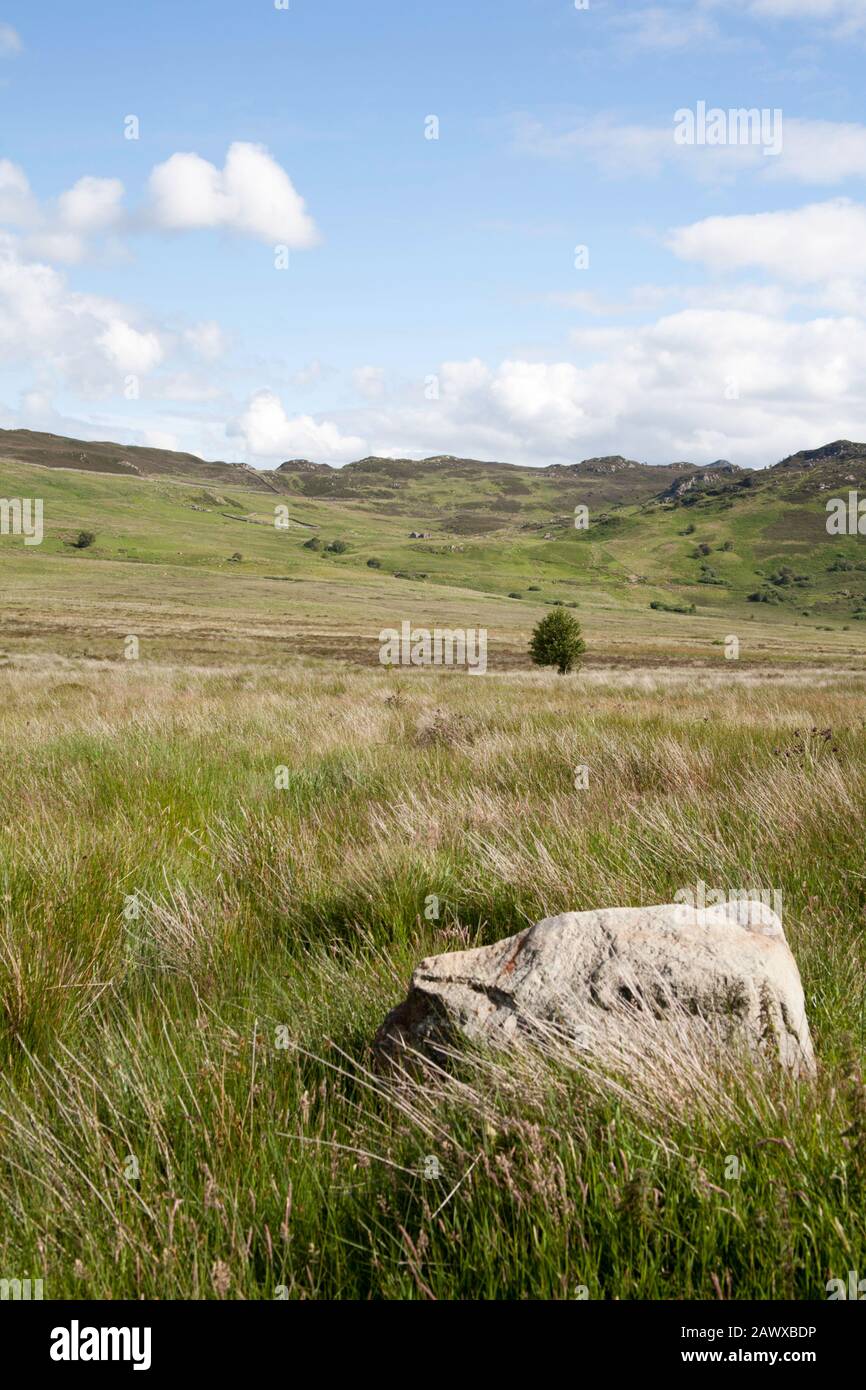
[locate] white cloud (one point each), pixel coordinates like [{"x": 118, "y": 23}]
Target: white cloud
[
  {"x": 188, "y": 387},
  {"x": 250, "y": 194},
  {"x": 821, "y": 242},
  {"x": 543, "y": 397},
  {"x": 370, "y": 382},
  {"x": 75, "y": 340},
  {"x": 129, "y": 349},
  {"x": 312, "y": 373},
  {"x": 458, "y": 379},
  {"x": 848, "y": 13},
  {"x": 817, "y": 152},
  {"x": 269, "y": 433},
  {"x": 614, "y": 147},
  {"x": 10, "y": 42},
  {"x": 91, "y": 204},
  {"x": 661, "y": 391},
  {"x": 667, "y": 29},
  {"x": 640, "y": 298},
  {"x": 160, "y": 439},
  {"x": 84, "y": 342},
  {"x": 207, "y": 340},
  {"x": 58, "y": 231},
  {"x": 17, "y": 203},
  {"x": 821, "y": 152},
  {"x": 64, "y": 248},
  {"x": 657, "y": 391}
]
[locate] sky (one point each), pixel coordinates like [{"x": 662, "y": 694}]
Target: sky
[{"x": 270, "y": 229}]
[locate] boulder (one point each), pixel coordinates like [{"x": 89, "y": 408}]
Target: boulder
[{"x": 594, "y": 977}]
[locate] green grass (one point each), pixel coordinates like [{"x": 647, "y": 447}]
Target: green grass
[
  {"x": 632, "y": 554},
  {"x": 194, "y": 961},
  {"x": 193, "y": 965},
  {"x": 161, "y": 569}
]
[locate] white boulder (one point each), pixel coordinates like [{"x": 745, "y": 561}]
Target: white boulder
[{"x": 591, "y": 976}]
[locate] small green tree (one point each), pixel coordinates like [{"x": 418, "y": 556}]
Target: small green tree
[
  {"x": 83, "y": 540},
  {"x": 557, "y": 641}
]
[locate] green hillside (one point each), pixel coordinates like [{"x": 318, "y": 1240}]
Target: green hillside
[{"x": 663, "y": 548}]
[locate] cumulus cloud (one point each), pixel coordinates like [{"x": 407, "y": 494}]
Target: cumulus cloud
[
  {"x": 250, "y": 194},
  {"x": 702, "y": 382},
  {"x": 821, "y": 242},
  {"x": 91, "y": 204},
  {"x": 59, "y": 231},
  {"x": 67, "y": 338},
  {"x": 699, "y": 383},
  {"x": 269, "y": 433},
  {"x": 129, "y": 349}
]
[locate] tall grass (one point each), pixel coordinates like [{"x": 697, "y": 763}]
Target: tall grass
[{"x": 193, "y": 962}]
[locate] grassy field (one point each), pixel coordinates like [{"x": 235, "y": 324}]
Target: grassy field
[
  {"x": 220, "y": 862},
  {"x": 186, "y": 544},
  {"x": 193, "y": 963}
]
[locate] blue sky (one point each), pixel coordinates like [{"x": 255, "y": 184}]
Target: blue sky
[{"x": 432, "y": 301}]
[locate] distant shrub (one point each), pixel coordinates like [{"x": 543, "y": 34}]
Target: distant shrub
[
  {"x": 236, "y": 558},
  {"x": 313, "y": 543},
  {"x": 534, "y": 589},
  {"x": 557, "y": 641},
  {"x": 83, "y": 540},
  {"x": 765, "y": 596},
  {"x": 337, "y": 547},
  {"x": 726, "y": 545},
  {"x": 374, "y": 564},
  {"x": 515, "y": 595},
  {"x": 785, "y": 576},
  {"x": 663, "y": 607}
]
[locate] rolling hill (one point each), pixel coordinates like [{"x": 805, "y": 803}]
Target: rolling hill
[{"x": 665, "y": 549}]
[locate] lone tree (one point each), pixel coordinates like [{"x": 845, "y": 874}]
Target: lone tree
[{"x": 557, "y": 641}]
